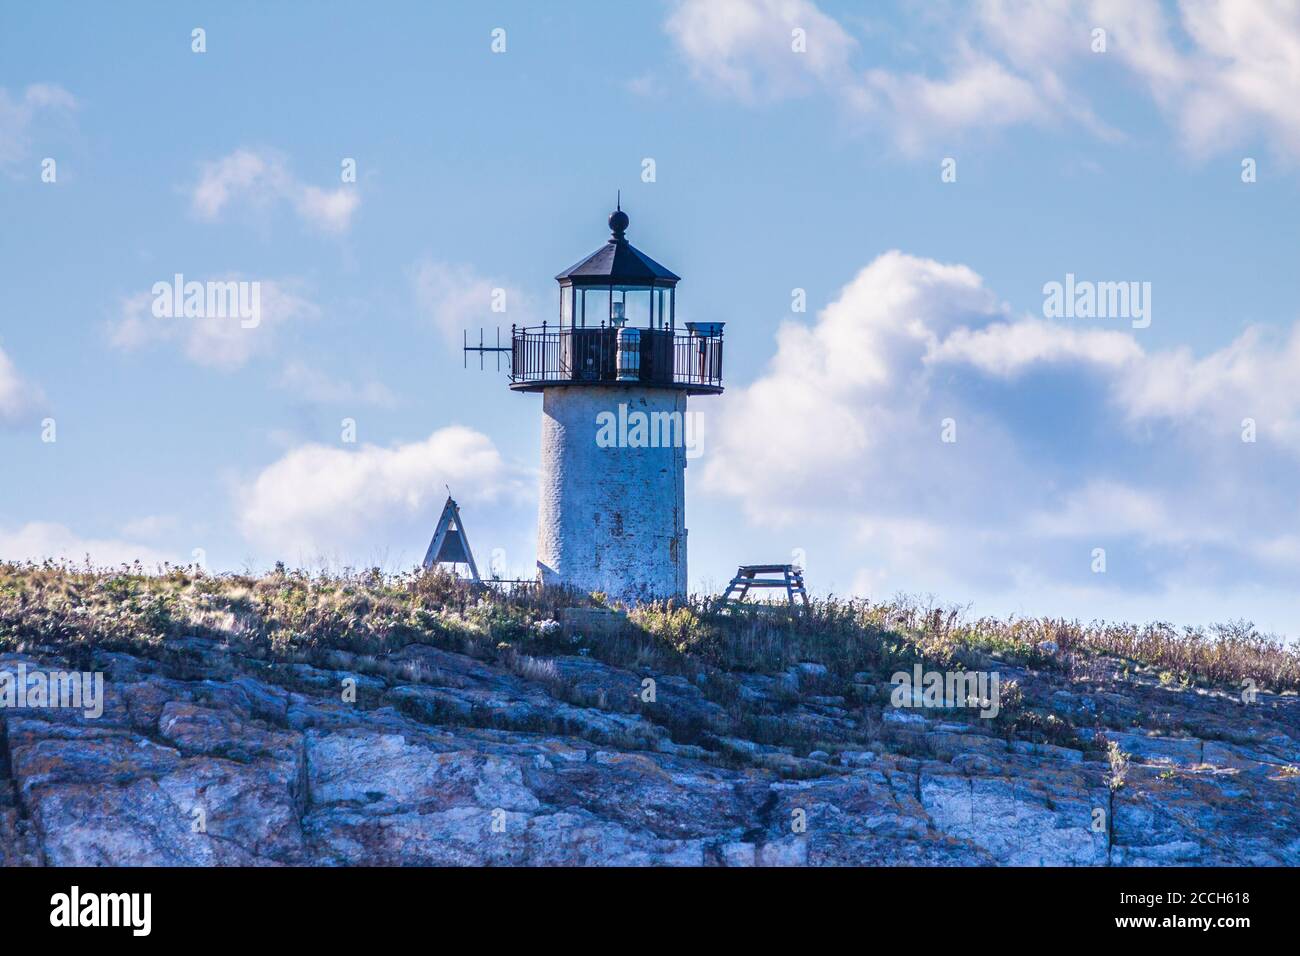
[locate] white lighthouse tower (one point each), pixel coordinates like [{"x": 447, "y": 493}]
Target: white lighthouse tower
[{"x": 615, "y": 374}]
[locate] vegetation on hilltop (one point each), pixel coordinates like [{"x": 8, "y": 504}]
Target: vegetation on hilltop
[{"x": 295, "y": 615}]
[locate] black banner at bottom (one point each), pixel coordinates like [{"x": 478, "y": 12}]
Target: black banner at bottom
[{"x": 338, "y": 906}]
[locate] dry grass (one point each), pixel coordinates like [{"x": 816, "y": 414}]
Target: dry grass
[{"x": 286, "y": 614}]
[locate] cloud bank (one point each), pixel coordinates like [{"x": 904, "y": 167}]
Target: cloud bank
[
  {"x": 949, "y": 439},
  {"x": 1221, "y": 71},
  {"x": 38, "y": 540},
  {"x": 325, "y": 500}
]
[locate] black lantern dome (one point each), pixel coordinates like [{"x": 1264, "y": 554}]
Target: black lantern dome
[{"x": 618, "y": 261}]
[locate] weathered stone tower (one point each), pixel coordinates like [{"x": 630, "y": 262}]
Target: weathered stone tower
[{"x": 614, "y": 374}]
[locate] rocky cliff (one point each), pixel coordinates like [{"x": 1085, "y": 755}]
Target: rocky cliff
[{"x": 205, "y": 754}]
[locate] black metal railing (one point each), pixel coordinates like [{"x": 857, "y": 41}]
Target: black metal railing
[{"x": 543, "y": 355}]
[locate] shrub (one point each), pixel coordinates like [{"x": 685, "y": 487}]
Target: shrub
[
  {"x": 680, "y": 627},
  {"x": 1118, "y": 761}
]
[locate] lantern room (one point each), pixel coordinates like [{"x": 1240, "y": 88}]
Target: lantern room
[
  {"x": 618, "y": 323},
  {"x": 618, "y": 285}
]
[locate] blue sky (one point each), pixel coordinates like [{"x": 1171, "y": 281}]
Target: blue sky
[{"x": 775, "y": 169}]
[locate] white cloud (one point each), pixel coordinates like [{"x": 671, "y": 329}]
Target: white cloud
[
  {"x": 826, "y": 390},
  {"x": 1252, "y": 377},
  {"x": 261, "y": 179},
  {"x": 224, "y": 343},
  {"x": 19, "y": 114},
  {"x": 745, "y": 47},
  {"x": 1237, "y": 72},
  {"x": 38, "y": 540},
  {"x": 317, "y": 388},
  {"x": 325, "y": 500},
  {"x": 327, "y": 210},
  {"x": 981, "y": 94},
  {"x": 1221, "y": 70},
  {"x": 455, "y": 297},
  {"x": 150, "y": 527},
  {"x": 1103, "y": 507},
  {"x": 18, "y": 398},
  {"x": 1008, "y": 348},
  {"x": 1067, "y": 438}
]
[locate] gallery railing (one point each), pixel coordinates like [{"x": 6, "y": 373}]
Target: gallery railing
[{"x": 544, "y": 355}]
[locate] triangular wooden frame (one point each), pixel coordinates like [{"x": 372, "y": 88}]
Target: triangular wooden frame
[{"x": 450, "y": 544}]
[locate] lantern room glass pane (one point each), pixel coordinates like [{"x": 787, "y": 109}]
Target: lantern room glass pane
[
  {"x": 632, "y": 305},
  {"x": 566, "y": 306},
  {"x": 595, "y": 306}
]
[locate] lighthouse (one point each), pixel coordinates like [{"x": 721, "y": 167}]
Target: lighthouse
[{"x": 615, "y": 373}]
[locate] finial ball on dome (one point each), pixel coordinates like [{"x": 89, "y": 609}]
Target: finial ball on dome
[{"x": 618, "y": 223}]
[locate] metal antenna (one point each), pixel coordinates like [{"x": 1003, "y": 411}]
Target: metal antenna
[{"x": 482, "y": 347}]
